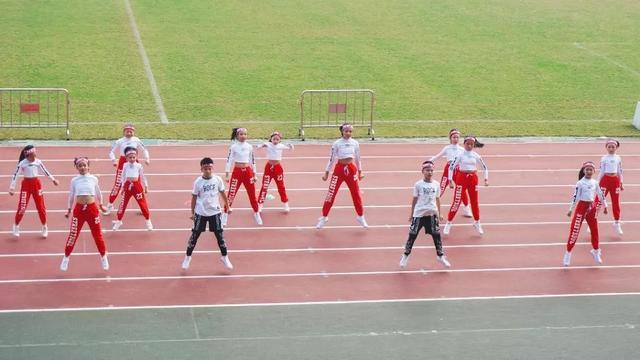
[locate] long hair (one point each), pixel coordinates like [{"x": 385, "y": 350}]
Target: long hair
[
  {"x": 581, "y": 174},
  {"x": 234, "y": 134},
  {"x": 476, "y": 143},
  {"x": 23, "y": 151}
]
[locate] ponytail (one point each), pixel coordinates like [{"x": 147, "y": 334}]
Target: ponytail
[
  {"x": 478, "y": 144},
  {"x": 234, "y": 134},
  {"x": 23, "y": 152},
  {"x": 581, "y": 174}
]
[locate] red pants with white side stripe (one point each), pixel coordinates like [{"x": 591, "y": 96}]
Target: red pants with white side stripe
[
  {"x": 584, "y": 211},
  {"x": 31, "y": 187},
  {"x": 444, "y": 183},
  {"x": 136, "y": 190},
  {"x": 465, "y": 183},
  {"x": 273, "y": 172},
  {"x": 611, "y": 185},
  {"x": 343, "y": 173},
  {"x": 242, "y": 176},
  {"x": 117, "y": 185},
  {"x": 85, "y": 213}
]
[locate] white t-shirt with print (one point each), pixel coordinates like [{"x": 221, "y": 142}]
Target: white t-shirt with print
[
  {"x": 427, "y": 193},
  {"x": 207, "y": 192}
]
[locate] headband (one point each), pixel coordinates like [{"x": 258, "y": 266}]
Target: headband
[
  {"x": 472, "y": 138},
  {"x": 132, "y": 151},
  {"x": 79, "y": 160},
  {"x": 589, "y": 164},
  {"x": 346, "y": 127},
  {"x": 275, "y": 133},
  {"x": 30, "y": 151},
  {"x": 241, "y": 129},
  {"x": 612, "y": 141},
  {"x": 129, "y": 127},
  {"x": 453, "y": 132},
  {"x": 427, "y": 165}
]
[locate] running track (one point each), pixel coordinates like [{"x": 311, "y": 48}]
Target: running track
[{"x": 289, "y": 261}]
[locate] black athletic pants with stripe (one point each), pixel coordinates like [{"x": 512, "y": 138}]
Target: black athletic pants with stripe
[
  {"x": 431, "y": 226},
  {"x": 200, "y": 225}
]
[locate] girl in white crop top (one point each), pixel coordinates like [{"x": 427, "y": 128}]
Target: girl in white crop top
[
  {"x": 273, "y": 169},
  {"x": 244, "y": 173},
  {"x": 610, "y": 179},
  {"x": 586, "y": 201},
  {"x": 134, "y": 184},
  {"x": 28, "y": 166},
  {"x": 84, "y": 191}
]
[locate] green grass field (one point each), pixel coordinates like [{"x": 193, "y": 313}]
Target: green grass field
[{"x": 495, "y": 68}]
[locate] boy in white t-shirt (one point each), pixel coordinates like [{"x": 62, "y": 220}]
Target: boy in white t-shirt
[
  {"x": 205, "y": 209},
  {"x": 425, "y": 212}
]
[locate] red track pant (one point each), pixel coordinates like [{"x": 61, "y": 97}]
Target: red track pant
[
  {"x": 444, "y": 183},
  {"x": 465, "y": 183},
  {"x": 136, "y": 190},
  {"x": 117, "y": 185},
  {"x": 349, "y": 174},
  {"x": 31, "y": 187},
  {"x": 611, "y": 185},
  {"x": 244, "y": 176},
  {"x": 273, "y": 172},
  {"x": 584, "y": 211},
  {"x": 81, "y": 214}
]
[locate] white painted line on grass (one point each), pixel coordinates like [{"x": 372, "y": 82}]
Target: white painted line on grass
[
  {"x": 606, "y": 58},
  {"x": 373, "y": 333},
  {"x": 320, "y": 303},
  {"x": 147, "y": 65}
]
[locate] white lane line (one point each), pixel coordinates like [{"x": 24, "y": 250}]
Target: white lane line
[
  {"x": 147, "y": 65},
  {"x": 369, "y": 334},
  {"x": 299, "y": 228},
  {"x": 316, "y": 249},
  {"x": 377, "y": 188},
  {"x": 322, "y": 303},
  {"x": 323, "y": 274},
  {"x": 341, "y": 207},
  {"x": 606, "y": 58},
  {"x": 292, "y": 158}
]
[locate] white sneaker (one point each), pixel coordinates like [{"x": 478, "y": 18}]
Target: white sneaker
[
  {"x": 16, "y": 230},
  {"x": 478, "y": 226},
  {"x": 45, "y": 231},
  {"x": 566, "y": 260},
  {"x": 466, "y": 211},
  {"x": 186, "y": 262},
  {"x": 227, "y": 263},
  {"x": 116, "y": 225},
  {"x": 149, "y": 225},
  {"x": 447, "y": 228},
  {"x": 104, "y": 262},
  {"x": 443, "y": 260},
  {"x": 258, "y": 218},
  {"x": 362, "y": 221},
  {"x": 64, "y": 265},
  {"x": 404, "y": 260},
  {"x": 597, "y": 255},
  {"x": 223, "y": 218},
  {"x": 617, "y": 227},
  {"x": 109, "y": 209},
  {"x": 321, "y": 222},
  {"x": 286, "y": 207}
]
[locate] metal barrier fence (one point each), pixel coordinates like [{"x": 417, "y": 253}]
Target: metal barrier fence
[
  {"x": 34, "y": 108},
  {"x": 332, "y": 108}
]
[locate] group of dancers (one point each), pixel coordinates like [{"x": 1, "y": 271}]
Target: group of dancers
[{"x": 460, "y": 174}]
